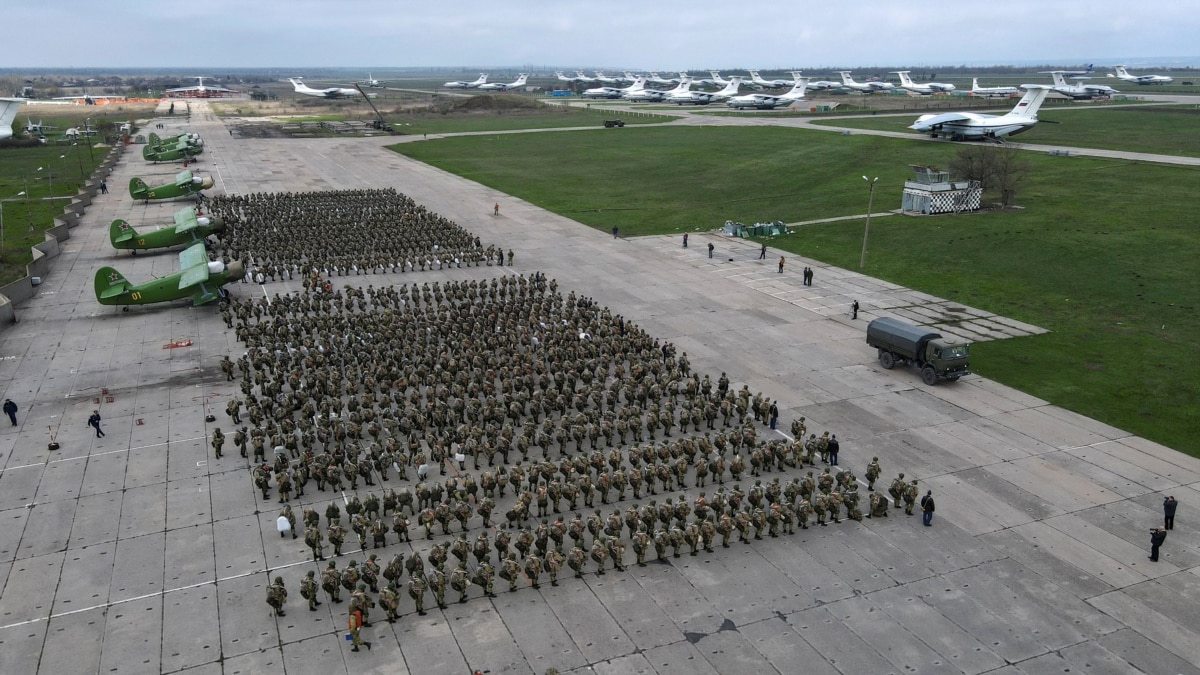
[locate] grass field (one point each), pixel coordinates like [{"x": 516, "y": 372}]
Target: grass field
[
  {"x": 40, "y": 172},
  {"x": 1103, "y": 254},
  {"x": 555, "y": 119},
  {"x": 1166, "y": 130}
]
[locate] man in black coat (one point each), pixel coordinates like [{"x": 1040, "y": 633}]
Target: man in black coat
[
  {"x": 927, "y": 508},
  {"x": 833, "y": 447},
  {"x": 1169, "y": 505},
  {"x": 1157, "y": 537}
]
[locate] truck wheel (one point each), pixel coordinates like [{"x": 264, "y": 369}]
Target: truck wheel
[
  {"x": 887, "y": 360},
  {"x": 929, "y": 375}
]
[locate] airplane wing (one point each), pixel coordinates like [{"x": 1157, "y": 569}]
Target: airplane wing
[
  {"x": 183, "y": 178},
  {"x": 193, "y": 262},
  {"x": 938, "y": 120},
  {"x": 185, "y": 219}
]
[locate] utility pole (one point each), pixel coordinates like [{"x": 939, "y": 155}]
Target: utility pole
[{"x": 862, "y": 261}]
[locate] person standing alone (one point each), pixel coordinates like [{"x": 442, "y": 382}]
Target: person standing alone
[
  {"x": 94, "y": 422},
  {"x": 10, "y": 409},
  {"x": 927, "y": 508},
  {"x": 1169, "y": 503}
]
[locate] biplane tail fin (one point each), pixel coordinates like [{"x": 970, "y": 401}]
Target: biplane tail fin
[
  {"x": 109, "y": 285},
  {"x": 120, "y": 232}
]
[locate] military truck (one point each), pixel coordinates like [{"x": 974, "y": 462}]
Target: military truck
[{"x": 938, "y": 358}]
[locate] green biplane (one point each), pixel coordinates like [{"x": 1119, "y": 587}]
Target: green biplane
[
  {"x": 188, "y": 229},
  {"x": 184, "y": 185},
  {"x": 172, "y": 149},
  {"x": 197, "y": 279}
]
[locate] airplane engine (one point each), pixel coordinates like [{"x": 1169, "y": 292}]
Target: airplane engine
[
  {"x": 205, "y": 182},
  {"x": 236, "y": 270}
]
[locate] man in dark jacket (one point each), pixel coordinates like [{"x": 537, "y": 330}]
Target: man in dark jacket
[
  {"x": 1169, "y": 505},
  {"x": 1157, "y": 537},
  {"x": 10, "y": 409},
  {"x": 927, "y": 508}
]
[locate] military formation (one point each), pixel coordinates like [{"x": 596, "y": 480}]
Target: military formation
[
  {"x": 473, "y": 423},
  {"x": 343, "y": 233}
]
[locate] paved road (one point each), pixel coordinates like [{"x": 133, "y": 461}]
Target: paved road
[{"x": 137, "y": 552}]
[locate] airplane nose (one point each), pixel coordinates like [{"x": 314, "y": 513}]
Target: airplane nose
[
  {"x": 217, "y": 224},
  {"x": 206, "y": 183},
  {"x": 236, "y": 270}
]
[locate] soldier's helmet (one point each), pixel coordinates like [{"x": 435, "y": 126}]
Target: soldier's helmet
[
  {"x": 874, "y": 459},
  {"x": 332, "y": 564},
  {"x": 310, "y": 574},
  {"x": 914, "y": 481},
  {"x": 371, "y": 557},
  {"x": 902, "y": 475},
  {"x": 353, "y": 563},
  {"x": 279, "y": 580},
  {"x": 362, "y": 588}
]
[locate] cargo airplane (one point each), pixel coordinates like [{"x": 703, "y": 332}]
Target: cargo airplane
[
  {"x": 500, "y": 86},
  {"x": 654, "y": 95},
  {"x": 925, "y": 89},
  {"x": 1140, "y": 79},
  {"x": 864, "y": 87},
  {"x": 200, "y": 90},
  {"x": 8, "y": 113},
  {"x": 991, "y": 92},
  {"x": 706, "y": 97},
  {"x": 459, "y": 84},
  {"x": 329, "y": 92},
  {"x": 615, "y": 92},
  {"x": 958, "y": 126},
  {"x": 760, "y": 101},
  {"x": 1079, "y": 90}
]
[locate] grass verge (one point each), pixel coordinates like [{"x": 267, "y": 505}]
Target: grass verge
[
  {"x": 41, "y": 173},
  {"x": 1103, "y": 254}
]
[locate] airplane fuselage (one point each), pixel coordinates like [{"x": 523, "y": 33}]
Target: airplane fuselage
[{"x": 167, "y": 288}]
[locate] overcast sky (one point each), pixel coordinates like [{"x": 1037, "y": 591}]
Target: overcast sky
[{"x": 648, "y": 34}]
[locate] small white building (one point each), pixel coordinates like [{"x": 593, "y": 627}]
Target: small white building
[{"x": 932, "y": 191}]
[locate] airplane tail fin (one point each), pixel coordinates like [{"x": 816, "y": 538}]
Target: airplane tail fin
[
  {"x": 1030, "y": 102},
  {"x": 109, "y": 284},
  {"x": 1121, "y": 72},
  {"x": 905, "y": 80},
  {"x": 8, "y": 113},
  {"x": 520, "y": 80},
  {"x": 138, "y": 188},
  {"x": 974, "y": 84},
  {"x": 120, "y": 232},
  {"x": 734, "y": 83}
]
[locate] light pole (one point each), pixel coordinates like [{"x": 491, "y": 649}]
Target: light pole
[{"x": 862, "y": 261}]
